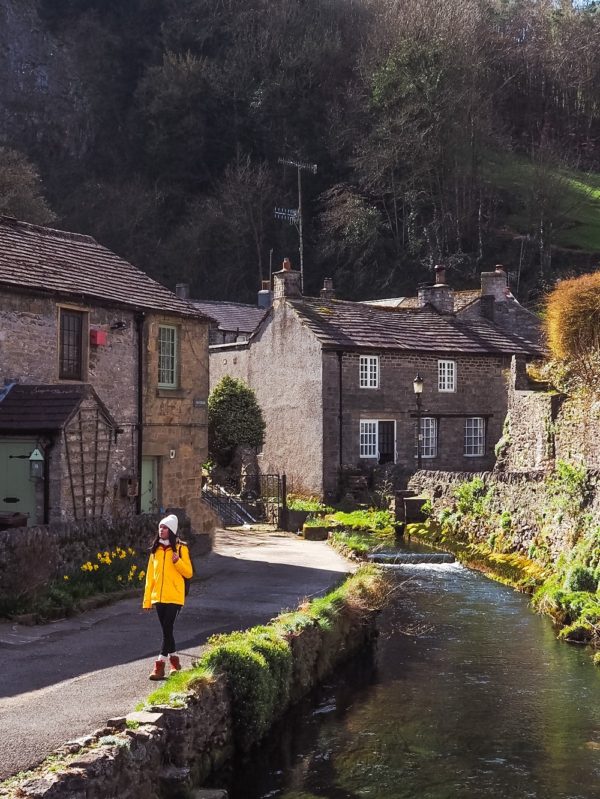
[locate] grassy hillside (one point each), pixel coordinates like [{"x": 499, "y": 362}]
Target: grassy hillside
[{"x": 569, "y": 199}]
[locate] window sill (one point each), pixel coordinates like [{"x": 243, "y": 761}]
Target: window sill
[{"x": 170, "y": 393}]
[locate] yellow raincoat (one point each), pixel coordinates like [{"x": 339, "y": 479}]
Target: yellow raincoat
[{"x": 164, "y": 579}]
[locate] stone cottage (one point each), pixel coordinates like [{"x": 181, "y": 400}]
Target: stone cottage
[
  {"x": 103, "y": 383},
  {"x": 335, "y": 382}
]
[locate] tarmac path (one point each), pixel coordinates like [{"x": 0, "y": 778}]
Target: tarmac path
[{"x": 63, "y": 680}]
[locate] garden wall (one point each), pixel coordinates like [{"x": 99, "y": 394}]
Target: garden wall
[
  {"x": 163, "y": 753},
  {"x": 533, "y": 505},
  {"x": 31, "y": 557}
]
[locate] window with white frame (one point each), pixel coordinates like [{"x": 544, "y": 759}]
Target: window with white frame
[
  {"x": 368, "y": 438},
  {"x": 474, "y": 436},
  {"x": 167, "y": 356},
  {"x": 369, "y": 371},
  {"x": 429, "y": 437},
  {"x": 446, "y": 375}
]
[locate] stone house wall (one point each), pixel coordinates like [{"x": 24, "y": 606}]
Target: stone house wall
[
  {"x": 175, "y": 420},
  {"x": 29, "y": 338},
  {"x": 283, "y": 365},
  {"x": 481, "y": 390}
]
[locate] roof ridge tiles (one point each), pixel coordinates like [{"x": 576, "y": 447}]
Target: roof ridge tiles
[{"x": 10, "y": 221}]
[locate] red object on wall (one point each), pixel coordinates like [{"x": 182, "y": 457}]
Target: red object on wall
[{"x": 98, "y": 338}]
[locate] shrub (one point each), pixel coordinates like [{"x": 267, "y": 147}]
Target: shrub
[
  {"x": 579, "y": 578},
  {"x": 234, "y": 419},
  {"x": 572, "y": 317},
  {"x": 473, "y": 497}
]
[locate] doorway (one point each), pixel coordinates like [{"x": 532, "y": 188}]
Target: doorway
[
  {"x": 386, "y": 436},
  {"x": 149, "y": 485},
  {"x": 17, "y": 488}
]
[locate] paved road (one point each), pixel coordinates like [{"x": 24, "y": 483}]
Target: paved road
[{"x": 62, "y": 680}]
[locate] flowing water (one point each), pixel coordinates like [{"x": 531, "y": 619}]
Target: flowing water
[{"x": 468, "y": 695}]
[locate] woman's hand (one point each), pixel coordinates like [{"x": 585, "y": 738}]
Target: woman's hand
[{"x": 175, "y": 557}]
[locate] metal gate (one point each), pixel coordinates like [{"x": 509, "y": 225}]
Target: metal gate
[{"x": 272, "y": 497}]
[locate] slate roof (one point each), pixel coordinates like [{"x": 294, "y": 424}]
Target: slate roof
[
  {"x": 461, "y": 300},
  {"x": 42, "y": 408},
  {"x": 354, "y": 325},
  {"x": 43, "y": 259},
  {"x": 231, "y": 316}
]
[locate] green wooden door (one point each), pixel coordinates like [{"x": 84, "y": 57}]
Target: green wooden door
[
  {"x": 17, "y": 489},
  {"x": 148, "y": 485}
]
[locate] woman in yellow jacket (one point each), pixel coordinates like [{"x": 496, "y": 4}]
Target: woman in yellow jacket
[{"x": 168, "y": 564}]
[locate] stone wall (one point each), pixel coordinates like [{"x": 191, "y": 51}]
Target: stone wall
[
  {"x": 166, "y": 751},
  {"x": 544, "y": 426},
  {"x": 30, "y": 557},
  {"x": 525, "y": 496}
]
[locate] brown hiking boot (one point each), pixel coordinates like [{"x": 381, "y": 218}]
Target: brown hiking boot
[
  {"x": 175, "y": 664},
  {"x": 159, "y": 671}
]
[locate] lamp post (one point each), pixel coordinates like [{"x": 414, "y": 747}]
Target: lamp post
[{"x": 418, "y": 389}]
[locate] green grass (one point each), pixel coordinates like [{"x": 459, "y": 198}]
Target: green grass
[
  {"x": 257, "y": 663},
  {"x": 576, "y": 201}
]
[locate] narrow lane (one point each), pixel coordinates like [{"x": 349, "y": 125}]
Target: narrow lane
[{"x": 64, "y": 680}]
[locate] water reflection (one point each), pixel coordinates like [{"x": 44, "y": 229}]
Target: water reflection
[{"x": 468, "y": 695}]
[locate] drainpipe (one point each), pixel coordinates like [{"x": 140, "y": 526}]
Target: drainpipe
[
  {"x": 139, "y": 326},
  {"x": 340, "y": 404},
  {"x": 47, "y": 450}
]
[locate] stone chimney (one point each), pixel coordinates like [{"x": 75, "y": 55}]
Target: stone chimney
[
  {"x": 495, "y": 284},
  {"x": 183, "y": 290},
  {"x": 286, "y": 282},
  {"x": 486, "y": 306},
  {"x": 440, "y": 295},
  {"x": 328, "y": 292}
]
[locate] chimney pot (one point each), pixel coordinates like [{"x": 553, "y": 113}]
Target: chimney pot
[
  {"x": 183, "y": 290},
  {"x": 328, "y": 292},
  {"x": 440, "y": 274},
  {"x": 287, "y": 265}
]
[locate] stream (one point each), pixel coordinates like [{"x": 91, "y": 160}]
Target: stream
[{"x": 467, "y": 695}]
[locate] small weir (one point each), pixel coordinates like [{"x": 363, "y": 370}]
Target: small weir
[{"x": 411, "y": 558}]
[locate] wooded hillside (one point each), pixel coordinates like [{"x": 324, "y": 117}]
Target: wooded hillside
[{"x": 464, "y": 132}]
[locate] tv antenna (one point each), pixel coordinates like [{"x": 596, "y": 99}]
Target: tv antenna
[{"x": 293, "y": 216}]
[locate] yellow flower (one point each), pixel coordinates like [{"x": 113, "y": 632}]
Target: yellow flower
[
  {"x": 119, "y": 578},
  {"x": 66, "y": 577},
  {"x": 122, "y": 554},
  {"x": 133, "y": 568},
  {"x": 141, "y": 575},
  {"x": 95, "y": 567}
]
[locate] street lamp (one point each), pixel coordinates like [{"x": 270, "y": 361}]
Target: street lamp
[{"x": 418, "y": 389}]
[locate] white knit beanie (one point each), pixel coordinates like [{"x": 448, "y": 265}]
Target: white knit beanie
[{"x": 171, "y": 522}]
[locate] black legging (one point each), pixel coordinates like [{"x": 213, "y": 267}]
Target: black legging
[{"x": 167, "y": 613}]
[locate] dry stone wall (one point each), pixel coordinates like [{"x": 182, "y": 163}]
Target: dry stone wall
[
  {"x": 527, "y": 497},
  {"x": 31, "y": 557}
]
